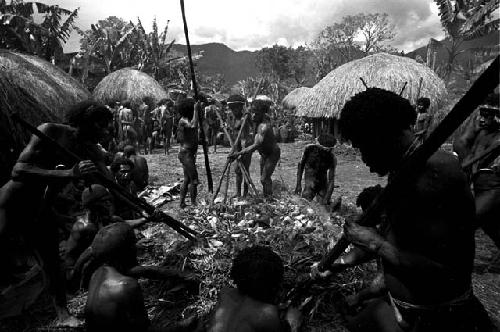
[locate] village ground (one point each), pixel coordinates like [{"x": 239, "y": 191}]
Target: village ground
[{"x": 351, "y": 177}]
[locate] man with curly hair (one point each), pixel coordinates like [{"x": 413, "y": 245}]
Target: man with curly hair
[
  {"x": 265, "y": 142},
  {"x": 258, "y": 273},
  {"x": 427, "y": 250},
  {"x": 319, "y": 163},
  {"x": 39, "y": 174}
]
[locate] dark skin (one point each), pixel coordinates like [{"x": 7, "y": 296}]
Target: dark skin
[
  {"x": 187, "y": 136},
  {"x": 428, "y": 250},
  {"x": 264, "y": 142},
  {"x": 167, "y": 124},
  {"x": 115, "y": 301},
  {"x": 246, "y": 140},
  {"x": 35, "y": 171},
  {"x": 238, "y": 312},
  {"x": 140, "y": 173},
  {"x": 319, "y": 163},
  {"x": 482, "y": 134}
]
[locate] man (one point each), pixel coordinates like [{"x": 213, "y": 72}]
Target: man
[
  {"x": 319, "y": 163},
  {"x": 211, "y": 125},
  {"x": 166, "y": 116},
  {"x": 187, "y": 135},
  {"x": 265, "y": 143},
  {"x": 140, "y": 171},
  {"x": 99, "y": 211},
  {"x": 122, "y": 169},
  {"x": 236, "y": 104},
  {"x": 127, "y": 119},
  {"x": 39, "y": 174},
  {"x": 427, "y": 252},
  {"x": 423, "y": 118},
  {"x": 257, "y": 272},
  {"x": 482, "y": 134},
  {"x": 115, "y": 301}
]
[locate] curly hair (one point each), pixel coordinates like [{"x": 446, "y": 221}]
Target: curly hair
[
  {"x": 259, "y": 105},
  {"x": 258, "y": 272},
  {"x": 327, "y": 140},
  {"x": 115, "y": 165},
  {"x": 86, "y": 113},
  {"x": 375, "y": 112},
  {"x": 185, "y": 107},
  {"x": 424, "y": 101},
  {"x": 366, "y": 197}
]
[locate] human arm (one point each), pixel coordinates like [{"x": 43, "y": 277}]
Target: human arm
[
  {"x": 159, "y": 273},
  {"x": 134, "y": 223},
  {"x": 300, "y": 170},
  {"x": 258, "y": 141},
  {"x": 331, "y": 181}
]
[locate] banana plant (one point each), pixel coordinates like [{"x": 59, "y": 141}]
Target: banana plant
[
  {"x": 465, "y": 20},
  {"x": 19, "y": 31},
  {"x": 154, "y": 48}
]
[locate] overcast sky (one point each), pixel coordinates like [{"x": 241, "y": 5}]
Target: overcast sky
[{"x": 253, "y": 24}]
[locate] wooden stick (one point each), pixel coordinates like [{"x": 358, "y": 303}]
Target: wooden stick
[
  {"x": 195, "y": 88},
  {"x": 419, "y": 88},
  {"x": 364, "y": 83},
  {"x": 226, "y": 188},
  {"x": 403, "y": 89}
]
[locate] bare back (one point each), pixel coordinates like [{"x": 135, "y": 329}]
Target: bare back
[
  {"x": 236, "y": 312},
  {"x": 269, "y": 144}
]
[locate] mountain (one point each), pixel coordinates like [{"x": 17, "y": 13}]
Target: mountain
[{"x": 219, "y": 59}]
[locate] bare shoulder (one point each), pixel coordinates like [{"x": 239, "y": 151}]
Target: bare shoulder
[
  {"x": 268, "y": 318},
  {"x": 55, "y": 129}
]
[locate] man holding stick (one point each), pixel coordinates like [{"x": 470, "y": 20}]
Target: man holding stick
[
  {"x": 265, "y": 142},
  {"x": 39, "y": 174},
  {"x": 427, "y": 250},
  {"x": 236, "y": 104}
]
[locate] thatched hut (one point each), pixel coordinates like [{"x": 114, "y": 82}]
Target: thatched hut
[
  {"x": 391, "y": 72},
  {"x": 292, "y": 99},
  {"x": 39, "y": 92},
  {"x": 128, "y": 84}
]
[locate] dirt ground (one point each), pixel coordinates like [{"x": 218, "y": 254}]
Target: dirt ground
[{"x": 352, "y": 176}]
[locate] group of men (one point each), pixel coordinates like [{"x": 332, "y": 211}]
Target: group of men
[{"x": 424, "y": 245}]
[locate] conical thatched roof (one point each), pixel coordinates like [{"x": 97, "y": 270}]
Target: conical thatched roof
[
  {"x": 39, "y": 92},
  {"x": 380, "y": 70},
  {"x": 129, "y": 84},
  {"x": 292, "y": 99}
]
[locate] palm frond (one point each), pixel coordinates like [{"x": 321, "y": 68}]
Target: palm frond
[
  {"x": 476, "y": 25},
  {"x": 67, "y": 26}
]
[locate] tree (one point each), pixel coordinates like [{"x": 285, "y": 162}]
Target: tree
[
  {"x": 215, "y": 84},
  {"x": 465, "y": 20},
  {"x": 107, "y": 42},
  {"x": 274, "y": 61},
  {"x": 376, "y": 30},
  {"x": 154, "y": 49},
  {"x": 19, "y": 31}
]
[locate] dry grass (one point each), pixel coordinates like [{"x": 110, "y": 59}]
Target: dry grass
[
  {"x": 292, "y": 99},
  {"x": 128, "y": 84},
  {"x": 380, "y": 70}
]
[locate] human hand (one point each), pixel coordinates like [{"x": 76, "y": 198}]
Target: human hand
[
  {"x": 233, "y": 156},
  {"x": 84, "y": 168},
  {"x": 156, "y": 216},
  {"x": 365, "y": 237},
  {"x": 294, "y": 317},
  {"x": 317, "y": 274}
]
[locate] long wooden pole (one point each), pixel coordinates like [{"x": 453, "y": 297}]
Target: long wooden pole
[{"x": 195, "y": 89}]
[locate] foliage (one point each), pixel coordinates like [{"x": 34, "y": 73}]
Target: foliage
[
  {"x": 214, "y": 84},
  {"x": 465, "y": 20},
  {"x": 19, "y": 31},
  {"x": 153, "y": 49},
  {"x": 107, "y": 42},
  {"x": 266, "y": 85},
  {"x": 283, "y": 63},
  {"x": 353, "y": 37}
]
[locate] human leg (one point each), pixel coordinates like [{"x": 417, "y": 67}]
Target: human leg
[
  {"x": 488, "y": 213},
  {"x": 193, "y": 177},
  {"x": 246, "y": 160},
  {"x": 268, "y": 164},
  {"x": 185, "y": 183}
]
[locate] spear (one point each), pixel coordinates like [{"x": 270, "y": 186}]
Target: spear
[{"x": 195, "y": 89}]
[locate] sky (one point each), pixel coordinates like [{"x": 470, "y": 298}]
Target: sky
[{"x": 254, "y": 24}]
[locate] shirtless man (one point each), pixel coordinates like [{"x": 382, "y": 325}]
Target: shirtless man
[
  {"x": 257, "y": 272},
  {"x": 126, "y": 117},
  {"x": 115, "y": 301},
  {"x": 236, "y": 104},
  {"x": 187, "y": 135},
  {"x": 319, "y": 163},
  {"x": 265, "y": 143},
  {"x": 166, "y": 107},
  {"x": 140, "y": 171},
  {"x": 211, "y": 125},
  {"x": 423, "y": 118},
  {"x": 427, "y": 252},
  {"x": 99, "y": 211},
  {"x": 39, "y": 174},
  {"x": 482, "y": 134}
]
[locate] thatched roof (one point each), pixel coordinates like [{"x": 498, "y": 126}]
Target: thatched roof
[
  {"x": 381, "y": 70},
  {"x": 129, "y": 84},
  {"x": 38, "y": 91},
  {"x": 292, "y": 99}
]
